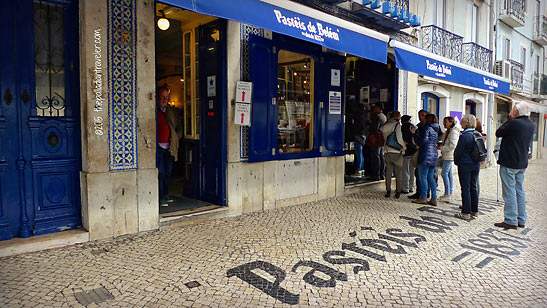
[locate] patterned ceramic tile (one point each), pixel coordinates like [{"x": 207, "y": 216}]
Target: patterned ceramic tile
[
  {"x": 246, "y": 31},
  {"x": 122, "y": 76}
]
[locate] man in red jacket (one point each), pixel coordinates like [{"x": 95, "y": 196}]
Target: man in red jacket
[
  {"x": 169, "y": 130},
  {"x": 516, "y": 136}
]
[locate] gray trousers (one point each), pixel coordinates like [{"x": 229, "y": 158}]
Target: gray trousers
[
  {"x": 408, "y": 174},
  {"x": 394, "y": 161}
]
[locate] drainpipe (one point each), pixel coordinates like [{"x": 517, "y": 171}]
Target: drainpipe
[{"x": 493, "y": 43}]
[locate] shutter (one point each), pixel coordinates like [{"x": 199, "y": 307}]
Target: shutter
[
  {"x": 263, "y": 75},
  {"x": 332, "y": 124}
]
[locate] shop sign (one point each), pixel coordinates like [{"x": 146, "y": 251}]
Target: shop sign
[
  {"x": 243, "y": 92},
  {"x": 334, "y": 78},
  {"x": 335, "y": 102},
  {"x": 423, "y": 65},
  {"x": 211, "y": 86},
  {"x": 457, "y": 115},
  {"x": 242, "y": 114}
]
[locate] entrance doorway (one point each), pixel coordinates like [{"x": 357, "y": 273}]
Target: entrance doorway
[
  {"x": 40, "y": 156},
  {"x": 190, "y": 63},
  {"x": 368, "y": 83},
  {"x": 430, "y": 103}
]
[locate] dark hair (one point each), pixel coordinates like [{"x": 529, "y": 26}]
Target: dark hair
[
  {"x": 478, "y": 126},
  {"x": 161, "y": 88},
  {"x": 451, "y": 120},
  {"x": 452, "y": 124},
  {"x": 431, "y": 118},
  {"x": 422, "y": 111},
  {"x": 394, "y": 114}
]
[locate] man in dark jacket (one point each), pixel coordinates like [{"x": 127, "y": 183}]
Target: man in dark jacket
[
  {"x": 409, "y": 136},
  {"x": 360, "y": 131},
  {"x": 421, "y": 116},
  {"x": 516, "y": 136}
]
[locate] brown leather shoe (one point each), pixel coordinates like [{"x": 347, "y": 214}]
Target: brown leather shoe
[
  {"x": 521, "y": 226},
  {"x": 474, "y": 214},
  {"x": 420, "y": 201},
  {"x": 505, "y": 225},
  {"x": 432, "y": 202}
]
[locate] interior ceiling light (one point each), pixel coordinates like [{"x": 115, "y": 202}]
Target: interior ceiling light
[{"x": 163, "y": 22}]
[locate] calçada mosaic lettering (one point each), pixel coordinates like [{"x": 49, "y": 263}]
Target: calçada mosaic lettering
[{"x": 392, "y": 240}]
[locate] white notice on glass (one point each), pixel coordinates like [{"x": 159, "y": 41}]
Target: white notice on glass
[
  {"x": 383, "y": 95},
  {"x": 211, "y": 86},
  {"x": 335, "y": 102},
  {"x": 334, "y": 78},
  {"x": 243, "y": 92},
  {"x": 242, "y": 114}
]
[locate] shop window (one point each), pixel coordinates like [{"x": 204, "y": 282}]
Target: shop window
[
  {"x": 191, "y": 84},
  {"x": 295, "y": 97},
  {"x": 431, "y": 103},
  {"x": 534, "y": 117}
]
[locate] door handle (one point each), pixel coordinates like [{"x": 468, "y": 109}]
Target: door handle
[
  {"x": 25, "y": 97},
  {"x": 8, "y": 97}
]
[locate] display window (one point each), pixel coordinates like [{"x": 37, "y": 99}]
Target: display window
[{"x": 295, "y": 97}]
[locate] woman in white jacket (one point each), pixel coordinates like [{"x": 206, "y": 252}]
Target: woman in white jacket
[{"x": 450, "y": 140}]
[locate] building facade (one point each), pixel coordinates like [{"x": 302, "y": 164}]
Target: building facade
[{"x": 261, "y": 96}]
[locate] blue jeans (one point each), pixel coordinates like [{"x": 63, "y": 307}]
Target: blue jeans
[
  {"x": 427, "y": 181},
  {"x": 165, "y": 169},
  {"x": 512, "y": 181},
  {"x": 447, "y": 176},
  {"x": 359, "y": 159},
  {"x": 469, "y": 175}
]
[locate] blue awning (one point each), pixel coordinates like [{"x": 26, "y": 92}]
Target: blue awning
[
  {"x": 425, "y": 63},
  {"x": 296, "y": 20}
]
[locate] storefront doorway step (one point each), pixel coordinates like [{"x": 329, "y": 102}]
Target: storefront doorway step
[
  {"x": 193, "y": 216},
  {"x": 18, "y": 245},
  {"x": 357, "y": 188}
]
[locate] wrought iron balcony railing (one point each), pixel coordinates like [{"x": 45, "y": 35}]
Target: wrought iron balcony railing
[
  {"x": 514, "y": 8},
  {"x": 477, "y": 56},
  {"x": 441, "y": 42},
  {"x": 535, "y": 84},
  {"x": 540, "y": 27},
  {"x": 401, "y": 4},
  {"x": 405, "y": 38},
  {"x": 517, "y": 74},
  {"x": 543, "y": 86}
]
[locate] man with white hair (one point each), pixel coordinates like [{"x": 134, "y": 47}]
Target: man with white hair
[{"x": 516, "y": 136}]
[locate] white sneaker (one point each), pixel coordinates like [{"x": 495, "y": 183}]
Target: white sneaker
[{"x": 445, "y": 198}]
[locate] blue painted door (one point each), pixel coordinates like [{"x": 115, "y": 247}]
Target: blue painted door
[
  {"x": 212, "y": 72},
  {"x": 39, "y": 118}
]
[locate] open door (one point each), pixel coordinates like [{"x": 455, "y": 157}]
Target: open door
[{"x": 213, "y": 113}]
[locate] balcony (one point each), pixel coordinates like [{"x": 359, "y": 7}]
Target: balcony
[
  {"x": 540, "y": 30},
  {"x": 477, "y": 56},
  {"x": 512, "y": 13},
  {"x": 543, "y": 85},
  {"x": 517, "y": 75},
  {"x": 441, "y": 42}
]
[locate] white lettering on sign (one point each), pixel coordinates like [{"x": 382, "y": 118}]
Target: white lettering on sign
[
  {"x": 491, "y": 83},
  {"x": 242, "y": 114},
  {"x": 440, "y": 70},
  {"x": 243, "y": 92},
  {"x": 317, "y": 31},
  {"x": 335, "y": 102}
]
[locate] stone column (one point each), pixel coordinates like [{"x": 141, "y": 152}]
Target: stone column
[{"x": 117, "y": 87}]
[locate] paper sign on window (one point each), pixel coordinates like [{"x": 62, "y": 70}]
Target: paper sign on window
[{"x": 335, "y": 102}]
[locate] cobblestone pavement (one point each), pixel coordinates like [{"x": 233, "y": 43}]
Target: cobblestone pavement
[{"x": 353, "y": 251}]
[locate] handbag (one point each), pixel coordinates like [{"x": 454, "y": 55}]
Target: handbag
[
  {"x": 375, "y": 139},
  {"x": 391, "y": 140},
  {"x": 414, "y": 159}
]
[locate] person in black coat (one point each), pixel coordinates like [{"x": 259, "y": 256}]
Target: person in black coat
[
  {"x": 516, "y": 137},
  {"x": 360, "y": 130},
  {"x": 428, "y": 160},
  {"x": 409, "y": 136}
]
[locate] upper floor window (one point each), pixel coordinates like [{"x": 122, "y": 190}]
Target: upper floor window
[
  {"x": 472, "y": 33},
  {"x": 523, "y": 58},
  {"x": 506, "y": 49}
]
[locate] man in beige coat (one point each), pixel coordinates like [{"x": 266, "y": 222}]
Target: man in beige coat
[
  {"x": 393, "y": 155},
  {"x": 169, "y": 128}
]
